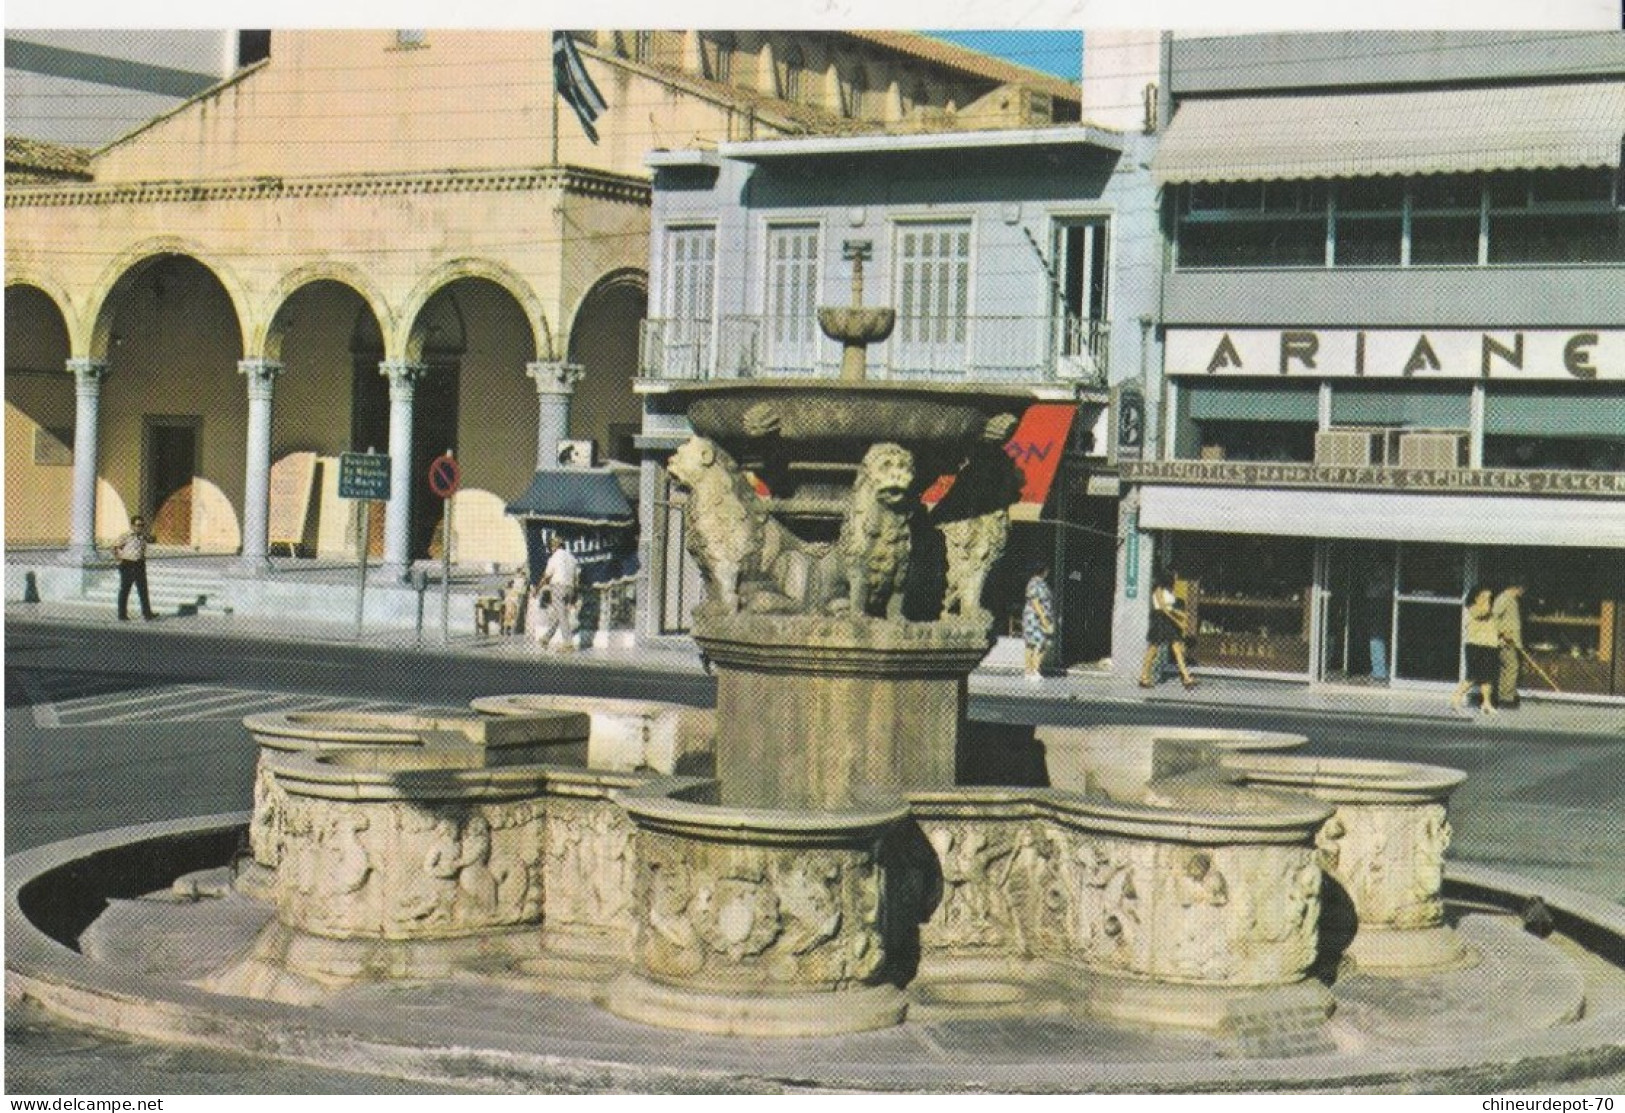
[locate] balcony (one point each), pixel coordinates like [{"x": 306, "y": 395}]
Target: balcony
[{"x": 982, "y": 349}]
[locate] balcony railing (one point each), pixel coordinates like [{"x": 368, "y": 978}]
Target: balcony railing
[{"x": 1014, "y": 349}]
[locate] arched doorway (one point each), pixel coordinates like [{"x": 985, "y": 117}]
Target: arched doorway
[
  {"x": 174, "y": 412},
  {"x": 474, "y": 400},
  {"x": 39, "y": 420},
  {"x": 604, "y": 341},
  {"x": 315, "y": 336}
]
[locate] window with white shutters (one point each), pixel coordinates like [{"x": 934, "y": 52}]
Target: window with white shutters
[
  {"x": 791, "y": 323},
  {"x": 691, "y": 258},
  {"x": 933, "y": 297}
]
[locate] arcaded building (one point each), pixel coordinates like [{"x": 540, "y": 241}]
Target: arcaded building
[{"x": 393, "y": 240}]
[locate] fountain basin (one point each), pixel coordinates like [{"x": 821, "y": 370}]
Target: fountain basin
[
  {"x": 1383, "y": 853},
  {"x": 759, "y": 922},
  {"x": 1154, "y": 915},
  {"x": 538, "y": 736}
]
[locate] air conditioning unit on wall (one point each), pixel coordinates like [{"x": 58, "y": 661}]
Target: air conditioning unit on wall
[
  {"x": 1348, "y": 448},
  {"x": 1433, "y": 449}
]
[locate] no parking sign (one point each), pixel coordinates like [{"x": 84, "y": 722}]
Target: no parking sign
[{"x": 445, "y": 476}]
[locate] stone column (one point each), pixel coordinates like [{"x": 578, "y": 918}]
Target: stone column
[
  {"x": 555, "y": 381},
  {"x": 261, "y": 376},
  {"x": 87, "y": 388},
  {"x": 403, "y": 379}
]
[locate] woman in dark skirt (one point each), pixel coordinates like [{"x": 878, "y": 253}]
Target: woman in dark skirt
[
  {"x": 1167, "y": 630},
  {"x": 1483, "y": 645}
]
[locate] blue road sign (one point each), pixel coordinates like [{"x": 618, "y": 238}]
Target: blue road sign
[{"x": 364, "y": 475}]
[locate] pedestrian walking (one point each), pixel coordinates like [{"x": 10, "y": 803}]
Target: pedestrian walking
[
  {"x": 1167, "y": 632},
  {"x": 557, "y": 589},
  {"x": 130, "y": 549},
  {"x": 1483, "y": 650},
  {"x": 1508, "y": 612},
  {"x": 1038, "y": 621}
]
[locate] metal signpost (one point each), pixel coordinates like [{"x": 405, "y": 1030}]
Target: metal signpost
[
  {"x": 363, "y": 476},
  {"x": 445, "y": 476}
]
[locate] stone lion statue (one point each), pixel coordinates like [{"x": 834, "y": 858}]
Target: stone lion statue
[
  {"x": 974, "y": 517},
  {"x": 973, "y": 546},
  {"x": 872, "y": 551},
  {"x": 749, "y": 561}
]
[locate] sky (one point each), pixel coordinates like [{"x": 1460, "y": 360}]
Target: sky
[{"x": 1056, "y": 52}]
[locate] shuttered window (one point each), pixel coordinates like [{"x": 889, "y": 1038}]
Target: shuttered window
[{"x": 792, "y": 297}]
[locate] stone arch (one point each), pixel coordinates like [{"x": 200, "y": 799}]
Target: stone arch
[
  {"x": 57, "y": 294},
  {"x": 406, "y": 337},
  {"x": 130, "y": 265},
  {"x": 268, "y": 340},
  {"x": 603, "y": 340},
  {"x": 40, "y": 416}
]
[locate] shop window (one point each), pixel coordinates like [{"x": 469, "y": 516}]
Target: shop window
[
  {"x": 1546, "y": 217},
  {"x": 1555, "y": 453},
  {"x": 1369, "y": 230},
  {"x": 1249, "y": 598},
  {"x": 1259, "y": 441},
  {"x": 1444, "y": 240},
  {"x": 1573, "y": 604},
  {"x": 1535, "y": 237},
  {"x": 1431, "y": 570},
  {"x": 1368, "y": 241},
  {"x": 1253, "y": 243}
]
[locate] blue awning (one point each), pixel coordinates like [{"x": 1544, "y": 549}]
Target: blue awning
[{"x": 580, "y": 496}]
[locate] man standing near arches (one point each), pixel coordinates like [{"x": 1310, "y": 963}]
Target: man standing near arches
[{"x": 131, "y": 551}]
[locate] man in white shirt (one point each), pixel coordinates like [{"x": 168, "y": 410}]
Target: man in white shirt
[
  {"x": 131, "y": 551},
  {"x": 560, "y": 580}
]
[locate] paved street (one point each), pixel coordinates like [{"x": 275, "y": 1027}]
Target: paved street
[{"x": 108, "y": 726}]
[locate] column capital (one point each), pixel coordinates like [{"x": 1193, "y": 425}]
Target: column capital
[
  {"x": 259, "y": 368},
  {"x": 87, "y": 371},
  {"x": 398, "y": 369},
  {"x": 261, "y": 375},
  {"x": 555, "y": 376},
  {"x": 403, "y": 376}
]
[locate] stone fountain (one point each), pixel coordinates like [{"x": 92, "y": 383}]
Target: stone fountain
[{"x": 805, "y": 863}]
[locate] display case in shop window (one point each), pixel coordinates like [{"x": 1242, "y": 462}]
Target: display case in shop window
[
  {"x": 1578, "y": 648},
  {"x": 1261, "y": 633}
]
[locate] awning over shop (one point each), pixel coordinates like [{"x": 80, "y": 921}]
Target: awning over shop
[
  {"x": 577, "y": 496},
  {"x": 1386, "y": 516},
  {"x": 1036, "y": 447},
  {"x": 1527, "y": 127}
]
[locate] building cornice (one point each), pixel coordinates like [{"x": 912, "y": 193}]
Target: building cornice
[{"x": 567, "y": 179}]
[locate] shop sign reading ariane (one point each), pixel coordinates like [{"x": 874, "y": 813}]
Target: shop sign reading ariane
[{"x": 1499, "y": 354}]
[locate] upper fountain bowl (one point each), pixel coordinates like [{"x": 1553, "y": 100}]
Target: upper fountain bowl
[
  {"x": 810, "y": 418},
  {"x": 853, "y": 324}
]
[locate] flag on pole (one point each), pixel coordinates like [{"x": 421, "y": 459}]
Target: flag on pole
[{"x": 574, "y": 84}]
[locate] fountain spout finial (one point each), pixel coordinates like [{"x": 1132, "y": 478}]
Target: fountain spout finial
[{"x": 854, "y": 326}]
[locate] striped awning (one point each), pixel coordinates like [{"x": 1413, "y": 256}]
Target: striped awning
[{"x": 1441, "y": 131}]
